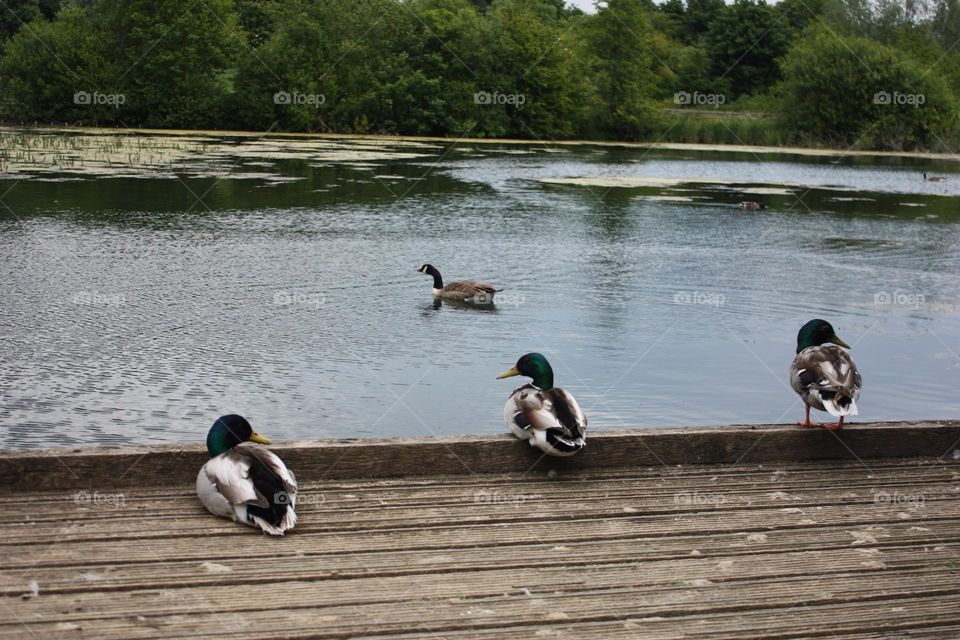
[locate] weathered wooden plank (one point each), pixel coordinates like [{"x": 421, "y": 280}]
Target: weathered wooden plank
[
  {"x": 914, "y": 625},
  {"x": 491, "y": 505},
  {"x": 927, "y": 570},
  {"x": 743, "y": 556},
  {"x": 845, "y": 483},
  {"x": 625, "y": 525},
  {"x": 131, "y": 466},
  {"x": 519, "y": 598},
  {"x": 79, "y": 574}
]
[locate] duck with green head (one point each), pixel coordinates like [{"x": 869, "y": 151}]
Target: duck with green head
[
  {"x": 824, "y": 375},
  {"x": 547, "y": 417},
  {"x": 245, "y": 482}
]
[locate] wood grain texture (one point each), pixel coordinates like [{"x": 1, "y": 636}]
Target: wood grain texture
[
  {"x": 149, "y": 466},
  {"x": 852, "y": 549}
]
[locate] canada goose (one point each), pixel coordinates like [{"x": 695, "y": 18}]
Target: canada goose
[{"x": 462, "y": 290}]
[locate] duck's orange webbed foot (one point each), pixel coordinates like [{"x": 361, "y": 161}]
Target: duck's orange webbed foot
[{"x": 836, "y": 426}]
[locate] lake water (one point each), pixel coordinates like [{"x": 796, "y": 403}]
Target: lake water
[{"x": 151, "y": 284}]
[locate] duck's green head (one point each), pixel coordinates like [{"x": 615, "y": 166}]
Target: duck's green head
[
  {"x": 817, "y": 332},
  {"x": 229, "y": 431},
  {"x": 535, "y": 366}
]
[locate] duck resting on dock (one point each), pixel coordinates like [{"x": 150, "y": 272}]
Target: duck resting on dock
[
  {"x": 933, "y": 178},
  {"x": 546, "y": 416},
  {"x": 825, "y": 375},
  {"x": 750, "y": 205},
  {"x": 245, "y": 482},
  {"x": 469, "y": 291}
]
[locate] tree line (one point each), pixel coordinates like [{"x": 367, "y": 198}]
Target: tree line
[{"x": 861, "y": 73}]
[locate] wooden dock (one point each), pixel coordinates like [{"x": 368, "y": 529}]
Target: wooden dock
[{"x": 733, "y": 532}]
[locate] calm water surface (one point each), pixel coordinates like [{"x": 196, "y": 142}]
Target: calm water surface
[{"x": 138, "y": 306}]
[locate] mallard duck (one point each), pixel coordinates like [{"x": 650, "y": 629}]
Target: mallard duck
[
  {"x": 246, "y": 482},
  {"x": 933, "y": 178},
  {"x": 750, "y": 205},
  {"x": 825, "y": 376},
  {"x": 547, "y": 416},
  {"x": 462, "y": 290}
]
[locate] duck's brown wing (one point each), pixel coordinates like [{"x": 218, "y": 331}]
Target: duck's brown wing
[
  {"x": 826, "y": 374},
  {"x": 568, "y": 412}
]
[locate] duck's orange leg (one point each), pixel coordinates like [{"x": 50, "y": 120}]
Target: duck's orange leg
[{"x": 806, "y": 419}]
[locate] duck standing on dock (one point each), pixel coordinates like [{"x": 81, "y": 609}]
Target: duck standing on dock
[
  {"x": 245, "y": 482},
  {"x": 462, "y": 291},
  {"x": 547, "y": 416},
  {"x": 825, "y": 375}
]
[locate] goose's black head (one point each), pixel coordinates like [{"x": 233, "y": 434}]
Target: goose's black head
[
  {"x": 229, "y": 431},
  {"x": 431, "y": 270},
  {"x": 817, "y": 332}
]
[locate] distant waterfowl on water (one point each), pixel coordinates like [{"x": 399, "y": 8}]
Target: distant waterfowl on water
[
  {"x": 546, "y": 416},
  {"x": 825, "y": 376},
  {"x": 462, "y": 290},
  {"x": 245, "y": 482},
  {"x": 750, "y": 205},
  {"x": 933, "y": 178}
]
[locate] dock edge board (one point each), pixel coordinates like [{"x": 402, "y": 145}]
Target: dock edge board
[{"x": 317, "y": 460}]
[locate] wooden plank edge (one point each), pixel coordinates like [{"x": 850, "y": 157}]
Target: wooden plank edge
[{"x": 99, "y": 468}]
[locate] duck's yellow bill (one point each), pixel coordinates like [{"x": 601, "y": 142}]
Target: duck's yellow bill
[
  {"x": 836, "y": 340},
  {"x": 256, "y": 437},
  {"x": 509, "y": 373}
]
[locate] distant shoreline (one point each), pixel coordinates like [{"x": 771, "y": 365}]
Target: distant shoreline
[{"x": 677, "y": 146}]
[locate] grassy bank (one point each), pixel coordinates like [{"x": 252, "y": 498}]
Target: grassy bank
[{"x": 722, "y": 127}]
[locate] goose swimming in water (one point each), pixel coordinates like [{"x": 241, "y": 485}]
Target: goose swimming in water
[{"x": 462, "y": 290}]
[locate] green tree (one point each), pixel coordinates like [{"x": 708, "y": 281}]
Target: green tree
[
  {"x": 448, "y": 53},
  {"x": 45, "y": 65},
  {"x": 173, "y": 64},
  {"x": 799, "y": 13},
  {"x": 700, "y": 14},
  {"x": 294, "y": 61},
  {"x": 332, "y": 66},
  {"x": 531, "y": 55},
  {"x": 744, "y": 42},
  {"x": 623, "y": 70},
  {"x": 14, "y": 14},
  {"x": 855, "y": 91},
  {"x": 946, "y": 22},
  {"x": 257, "y": 19}
]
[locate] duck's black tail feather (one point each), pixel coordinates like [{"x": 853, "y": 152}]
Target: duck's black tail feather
[{"x": 269, "y": 485}]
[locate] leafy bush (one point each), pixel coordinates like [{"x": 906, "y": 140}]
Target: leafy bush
[{"x": 853, "y": 91}]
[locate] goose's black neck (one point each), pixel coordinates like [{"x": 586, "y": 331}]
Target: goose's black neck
[{"x": 437, "y": 280}]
